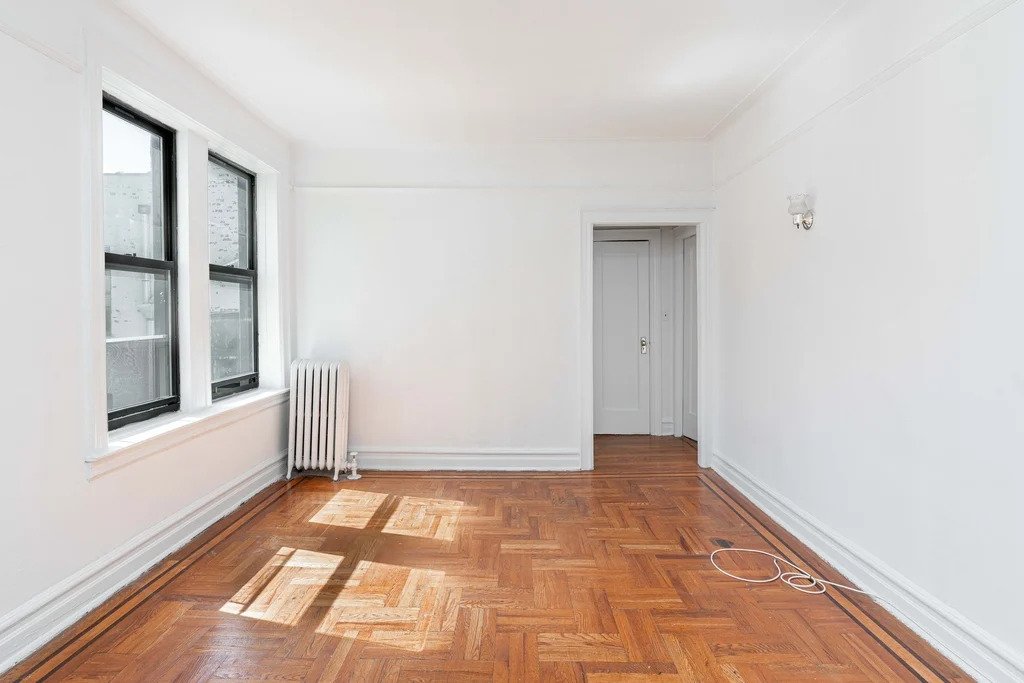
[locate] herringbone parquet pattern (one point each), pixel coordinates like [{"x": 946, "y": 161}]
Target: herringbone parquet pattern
[{"x": 412, "y": 577}]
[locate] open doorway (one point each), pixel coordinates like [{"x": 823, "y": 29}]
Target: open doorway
[
  {"x": 644, "y": 312},
  {"x": 645, "y": 331}
]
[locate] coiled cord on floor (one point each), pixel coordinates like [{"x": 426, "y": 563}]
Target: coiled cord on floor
[{"x": 796, "y": 578}]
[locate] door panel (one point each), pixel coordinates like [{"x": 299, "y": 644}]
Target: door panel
[
  {"x": 690, "y": 337},
  {"x": 622, "y": 318}
]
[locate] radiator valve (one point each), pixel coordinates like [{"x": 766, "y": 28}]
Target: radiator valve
[{"x": 353, "y": 466}]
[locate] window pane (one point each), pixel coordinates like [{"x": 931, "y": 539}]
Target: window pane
[
  {"x": 228, "y": 208},
  {"x": 133, "y": 196},
  {"x": 138, "y": 338},
  {"x": 231, "y": 328}
]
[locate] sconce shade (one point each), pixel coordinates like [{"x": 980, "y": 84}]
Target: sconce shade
[{"x": 797, "y": 204}]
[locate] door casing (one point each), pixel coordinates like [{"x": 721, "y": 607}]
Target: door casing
[{"x": 700, "y": 217}]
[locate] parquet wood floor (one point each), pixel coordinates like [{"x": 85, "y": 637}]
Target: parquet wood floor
[{"x": 599, "y": 576}]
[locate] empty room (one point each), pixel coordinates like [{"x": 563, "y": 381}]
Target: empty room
[{"x": 512, "y": 340}]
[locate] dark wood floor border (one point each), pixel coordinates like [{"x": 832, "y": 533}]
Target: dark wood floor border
[
  {"x": 759, "y": 521},
  {"x": 79, "y": 636}
]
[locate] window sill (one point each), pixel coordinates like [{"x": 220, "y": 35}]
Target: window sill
[{"x": 141, "y": 440}]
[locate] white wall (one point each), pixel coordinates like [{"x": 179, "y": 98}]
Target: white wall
[
  {"x": 56, "y": 521},
  {"x": 871, "y": 370},
  {"x": 450, "y": 280}
]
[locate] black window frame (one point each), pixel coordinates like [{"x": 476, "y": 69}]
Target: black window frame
[
  {"x": 124, "y": 262},
  {"x": 239, "y": 383}
]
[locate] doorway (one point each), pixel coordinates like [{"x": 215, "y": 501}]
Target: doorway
[
  {"x": 624, "y": 389},
  {"x": 644, "y": 336}
]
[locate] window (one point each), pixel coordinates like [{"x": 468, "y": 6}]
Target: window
[
  {"x": 138, "y": 238},
  {"x": 231, "y": 199}
]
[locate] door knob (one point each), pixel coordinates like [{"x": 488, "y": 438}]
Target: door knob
[{"x": 643, "y": 345}]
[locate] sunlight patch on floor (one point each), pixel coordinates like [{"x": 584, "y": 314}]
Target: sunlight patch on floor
[
  {"x": 349, "y": 508},
  {"x": 433, "y": 518},
  {"x": 411, "y": 619},
  {"x": 285, "y": 587},
  {"x": 425, "y": 518}
]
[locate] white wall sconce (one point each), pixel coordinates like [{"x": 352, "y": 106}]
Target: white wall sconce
[{"x": 800, "y": 211}]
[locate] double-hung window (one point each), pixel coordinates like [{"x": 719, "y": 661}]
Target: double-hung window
[
  {"x": 140, "y": 269},
  {"x": 231, "y": 201}
]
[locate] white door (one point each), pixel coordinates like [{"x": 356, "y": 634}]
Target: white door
[
  {"x": 622, "y": 332},
  {"x": 689, "y": 293}
]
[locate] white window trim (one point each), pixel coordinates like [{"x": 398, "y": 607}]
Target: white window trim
[
  {"x": 112, "y": 450},
  {"x": 142, "y": 439}
]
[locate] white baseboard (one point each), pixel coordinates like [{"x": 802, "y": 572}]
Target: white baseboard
[
  {"x": 492, "y": 459},
  {"x": 28, "y": 627},
  {"x": 961, "y": 640},
  {"x": 668, "y": 427}
]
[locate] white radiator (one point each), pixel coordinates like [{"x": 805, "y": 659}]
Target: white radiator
[{"x": 318, "y": 417}]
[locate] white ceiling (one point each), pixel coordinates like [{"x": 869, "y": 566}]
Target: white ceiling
[{"x": 393, "y": 72}]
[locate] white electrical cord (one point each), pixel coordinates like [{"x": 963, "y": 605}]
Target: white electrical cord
[{"x": 797, "y": 578}]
